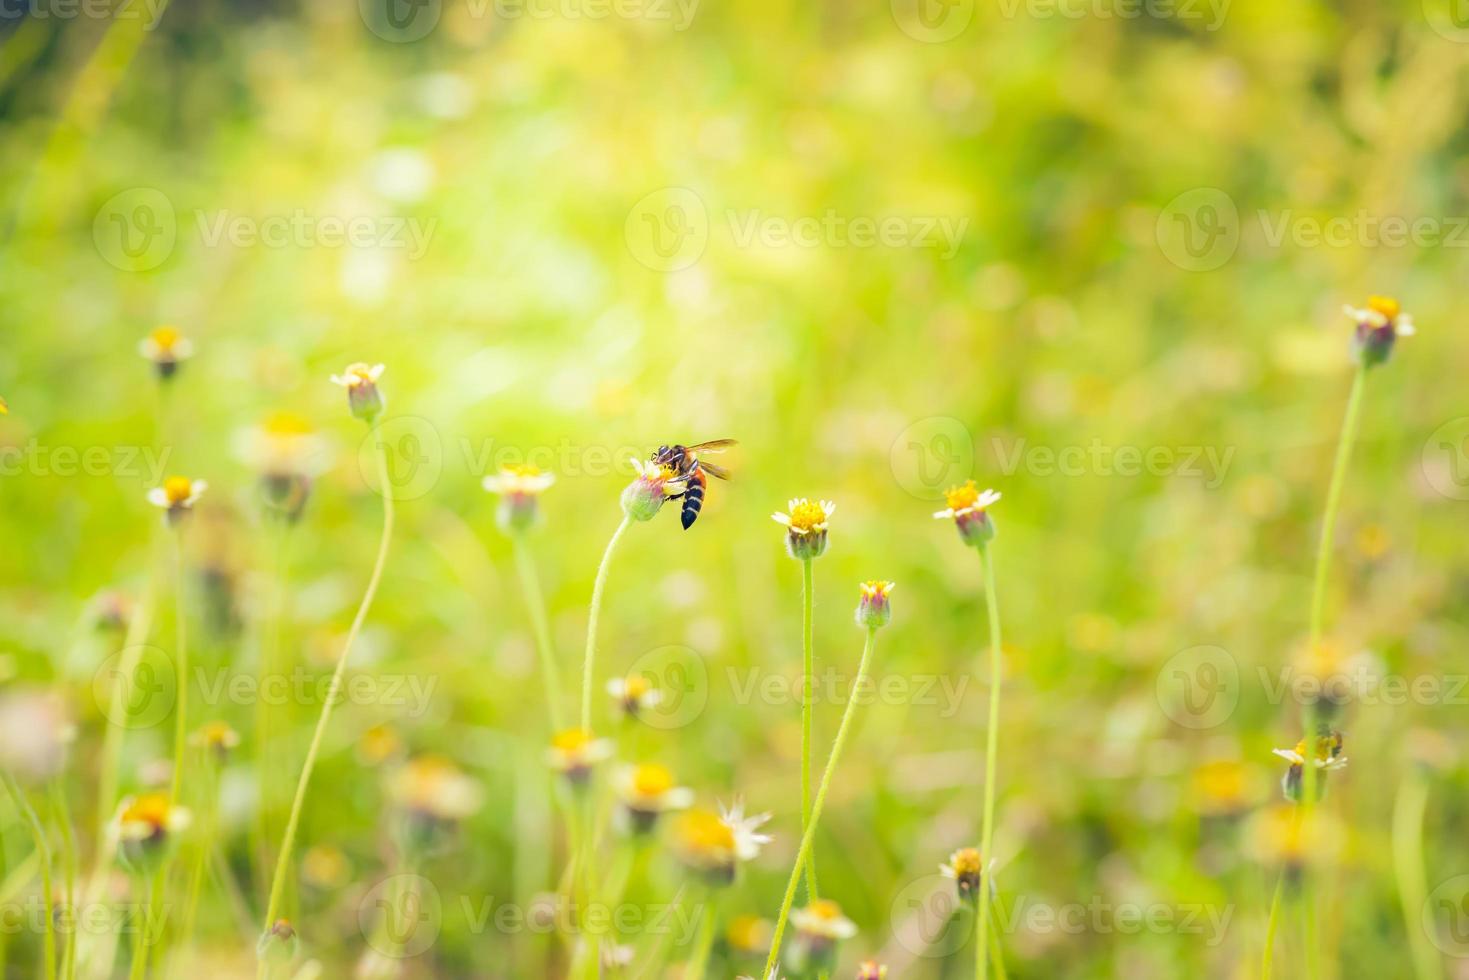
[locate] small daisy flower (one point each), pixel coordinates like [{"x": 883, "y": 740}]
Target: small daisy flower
[
  {"x": 969, "y": 510},
  {"x": 647, "y": 791},
  {"x": 148, "y": 827},
  {"x": 871, "y": 970},
  {"x": 819, "y": 927},
  {"x": 575, "y": 751},
  {"x": 217, "y": 738},
  {"x": 748, "y": 935},
  {"x": 519, "y": 488},
  {"x": 177, "y": 497},
  {"x": 806, "y": 527},
  {"x": 644, "y": 496},
  {"x": 1327, "y": 758},
  {"x": 1220, "y": 788},
  {"x": 966, "y": 870},
  {"x": 289, "y": 455},
  {"x": 1379, "y": 324},
  {"x": 434, "y": 797},
  {"x": 716, "y": 845},
  {"x": 363, "y": 396},
  {"x": 165, "y": 347},
  {"x": 1286, "y": 835},
  {"x": 634, "y": 694},
  {"x": 873, "y": 610}
]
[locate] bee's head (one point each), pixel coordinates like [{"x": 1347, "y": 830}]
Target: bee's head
[{"x": 662, "y": 451}]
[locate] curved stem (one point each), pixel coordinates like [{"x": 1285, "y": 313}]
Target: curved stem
[
  {"x": 1344, "y": 445},
  {"x": 589, "y": 662},
  {"x": 62, "y": 811},
  {"x": 810, "y": 833},
  {"x": 1407, "y": 852},
  {"x": 808, "y": 659},
  {"x": 991, "y": 755},
  {"x": 283, "y": 861},
  {"x": 1270, "y": 926},
  {"x": 43, "y": 858},
  {"x": 530, "y": 584},
  {"x": 180, "y": 724}
]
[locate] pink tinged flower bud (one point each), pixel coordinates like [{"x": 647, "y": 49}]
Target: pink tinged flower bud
[
  {"x": 520, "y": 488},
  {"x": 969, "y": 510},
  {"x": 364, "y": 398},
  {"x": 644, "y": 496},
  {"x": 873, "y": 609},
  {"x": 1378, "y": 326}
]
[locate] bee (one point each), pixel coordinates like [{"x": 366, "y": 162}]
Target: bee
[{"x": 689, "y": 469}]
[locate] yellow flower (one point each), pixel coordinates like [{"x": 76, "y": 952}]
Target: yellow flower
[
  {"x": 748, "y": 934},
  {"x": 871, "y": 970},
  {"x": 216, "y": 737},
  {"x": 518, "y": 487},
  {"x": 873, "y": 609},
  {"x": 806, "y": 527},
  {"x": 634, "y": 693},
  {"x": 819, "y": 927},
  {"x": 148, "y": 826},
  {"x": 165, "y": 347},
  {"x": 177, "y": 496},
  {"x": 647, "y": 791},
  {"x": 575, "y": 751},
  {"x": 1326, "y": 758},
  {"x": 969, "y": 510},
  {"x": 966, "y": 869},
  {"x": 716, "y": 844},
  {"x": 1220, "y": 788},
  {"x": 432, "y": 787},
  {"x": 363, "y": 397},
  {"x": 653, "y": 484},
  {"x": 4, "y": 407},
  {"x": 1378, "y": 326}
]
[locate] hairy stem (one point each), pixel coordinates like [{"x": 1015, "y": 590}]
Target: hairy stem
[
  {"x": 808, "y": 659},
  {"x": 1407, "y": 852},
  {"x": 530, "y": 584},
  {"x": 589, "y": 662},
  {"x": 991, "y": 757},
  {"x": 181, "y": 710},
  {"x": 43, "y": 859}
]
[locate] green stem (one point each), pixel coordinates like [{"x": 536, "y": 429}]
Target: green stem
[
  {"x": 1333, "y": 501},
  {"x": 201, "y": 858},
  {"x": 530, "y": 584},
  {"x": 118, "y": 700},
  {"x": 43, "y": 856},
  {"x": 62, "y": 813},
  {"x": 143, "y": 937},
  {"x": 810, "y": 832},
  {"x": 589, "y": 663},
  {"x": 266, "y": 756},
  {"x": 991, "y": 756},
  {"x": 1407, "y": 851},
  {"x": 808, "y": 659},
  {"x": 703, "y": 943},
  {"x": 283, "y": 861},
  {"x": 1270, "y": 926},
  {"x": 180, "y": 724}
]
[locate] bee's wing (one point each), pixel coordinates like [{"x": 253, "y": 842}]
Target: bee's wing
[
  {"x": 713, "y": 470},
  {"x": 713, "y": 446}
]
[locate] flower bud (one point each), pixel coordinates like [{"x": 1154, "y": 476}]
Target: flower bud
[
  {"x": 1378, "y": 326},
  {"x": 520, "y": 488},
  {"x": 148, "y": 830},
  {"x": 364, "y": 398},
  {"x": 279, "y": 946},
  {"x": 968, "y": 509},
  {"x": 873, "y": 610},
  {"x": 644, "y": 496}
]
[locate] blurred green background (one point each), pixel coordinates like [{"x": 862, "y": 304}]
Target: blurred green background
[{"x": 581, "y": 236}]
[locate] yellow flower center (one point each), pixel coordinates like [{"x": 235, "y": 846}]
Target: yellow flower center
[
  {"x": 287, "y": 424},
  {"x": 966, "y": 862},
  {"x": 874, "y": 589},
  {"x": 571, "y": 740},
  {"x": 652, "y": 780},
  {"x": 806, "y": 515},
  {"x": 524, "y": 469},
  {"x": 177, "y": 490},
  {"x": 703, "y": 832},
  {"x": 358, "y": 374},
  {"x": 825, "y": 909},
  {"x": 150, "y": 808},
  {"x": 961, "y": 497},
  {"x": 1327, "y": 747},
  {"x": 636, "y": 687},
  {"x": 165, "y": 338},
  {"x": 1385, "y": 305},
  {"x": 217, "y": 734}
]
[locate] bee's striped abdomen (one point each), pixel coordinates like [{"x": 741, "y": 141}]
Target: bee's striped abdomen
[{"x": 693, "y": 497}]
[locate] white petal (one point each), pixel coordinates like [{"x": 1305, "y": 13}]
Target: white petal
[
  {"x": 157, "y": 497},
  {"x": 784, "y": 519}
]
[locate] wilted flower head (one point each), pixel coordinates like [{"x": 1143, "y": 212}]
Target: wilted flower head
[
  {"x": 519, "y": 487},
  {"x": 177, "y": 497},
  {"x": 634, "y": 693},
  {"x": 148, "y": 826},
  {"x": 873, "y": 609},
  {"x": 819, "y": 927},
  {"x": 969, "y": 510},
  {"x": 433, "y": 796},
  {"x": 647, "y": 791},
  {"x": 165, "y": 347},
  {"x": 716, "y": 844},
  {"x": 289, "y": 455},
  {"x": 654, "y": 483},
  {"x": 363, "y": 396},
  {"x": 574, "y": 751},
  {"x": 806, "y": 527},
  {"x": 34, "y": 734},
  {"x": 871, "y": 970},
  {"x": 1379, "y": 324},
  {"x": 967, "y": 871},
  {"x": 217, "y": 738},
  {"x": 1326, "y": 758}
]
